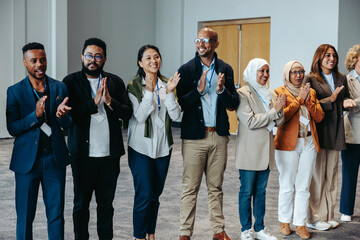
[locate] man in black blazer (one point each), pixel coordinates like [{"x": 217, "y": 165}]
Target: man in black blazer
[
  {"x": 205, "y": 91},
  {"x": 98, "y": 100},
  {"x": 36, "y": 113}
]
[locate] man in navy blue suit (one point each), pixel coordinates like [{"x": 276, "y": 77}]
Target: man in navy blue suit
[{"x": 36, "y": 113}]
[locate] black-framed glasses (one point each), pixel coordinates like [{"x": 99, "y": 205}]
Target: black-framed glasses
[
  {"x": 301, "y": 72},
  {"x": 205, "y": 40},
  {"x": 97, "y": 57}
]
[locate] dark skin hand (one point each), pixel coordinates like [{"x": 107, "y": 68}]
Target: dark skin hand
[{"x": 40, "y": 107}]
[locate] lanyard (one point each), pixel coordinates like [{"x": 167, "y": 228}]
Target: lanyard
[
  {"x": 332, "y": 89},
  {"x": 260, "y": 97},
  {"x": 158, "y": 95},
  {"x": 209, "y": 81},
  {"x": 97, "y": 86}
]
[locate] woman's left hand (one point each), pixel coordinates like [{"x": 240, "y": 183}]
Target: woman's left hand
[
  {"x": 349, "y": 103},
  {"x": 172, "y": 83}
]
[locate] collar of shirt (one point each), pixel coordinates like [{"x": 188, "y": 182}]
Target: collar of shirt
[
  {"x": 355, "y": 75},
  {"x": 212, "y": 65}
]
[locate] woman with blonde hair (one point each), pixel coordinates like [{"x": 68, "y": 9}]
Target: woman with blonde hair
[
  {"x": 296, "y": 144},
  {"x": 351, "y": 156},
  {"x": 332, "y": 91}
]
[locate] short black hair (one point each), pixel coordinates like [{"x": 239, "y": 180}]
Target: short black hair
[
  {"x": 97, "y": 42},
  {"x": 32, "y": 46}
]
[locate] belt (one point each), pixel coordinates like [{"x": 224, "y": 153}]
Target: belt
[
  {"x": 307, "y": 135},
  {"x": 210, "y": 129}
]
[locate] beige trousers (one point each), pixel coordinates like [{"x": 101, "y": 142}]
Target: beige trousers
[
  {"x": 323, "y": 188},
  {"x": 209, "y": 156}
]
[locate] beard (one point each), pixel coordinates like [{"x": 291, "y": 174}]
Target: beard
[{"x": 94, "y": 73}]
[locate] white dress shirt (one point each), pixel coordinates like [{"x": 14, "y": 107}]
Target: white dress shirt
[
  {"x": 99, "y": 139},
  {"x": 156, "y": 146}
]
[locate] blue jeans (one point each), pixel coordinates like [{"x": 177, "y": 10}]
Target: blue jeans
[
  {"x": 149, "y": 179},
  {"x": 253, "y": 184},
  {"x": 350, "y": 168},
  {"x": 52, "y": 180}
]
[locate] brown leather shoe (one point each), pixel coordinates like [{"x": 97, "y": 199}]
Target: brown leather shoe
[
  {"x": 285, "y": 228},
  {"x": 183, "y": 237},
  {"x": 302, "y": 232},
  {"x": 221, "y": 236}
]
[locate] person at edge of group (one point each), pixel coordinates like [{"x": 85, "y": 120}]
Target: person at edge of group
[
  {"x": 296, "y": 147},
  {"x": 149, "y": 137},
  {"x": 205, "y": 91},
  {"x": 98, "y": 100},
  {"x": 332, "y": 91},
  {"x": 36, "y": 113},
  {"x": 351, "y": 156},
  {"x": 260, "y": 110}
]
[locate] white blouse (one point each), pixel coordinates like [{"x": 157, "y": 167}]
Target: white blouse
[{"x": 156, "y": 146}]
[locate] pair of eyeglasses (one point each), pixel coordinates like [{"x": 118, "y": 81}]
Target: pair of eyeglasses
[
  {"x": 205, "y": 40},
  {"x": 97, "y": 57},
  {"x": 301, "y": 72}
]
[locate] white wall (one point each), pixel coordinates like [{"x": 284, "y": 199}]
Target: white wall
[
  {"x": 169, "y": 32},
  {"x": 349, "y": 34},
  {"x": 297, "y": 28},
  {"x": 25, "y": 21},
  {"x": 124, "y": 25}
]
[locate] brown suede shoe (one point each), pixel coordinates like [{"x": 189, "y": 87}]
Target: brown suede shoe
[
  {"x": 285, "y": 228},
  {"x": 221, "y": 236},
  {"x": 302, "y": 232},
  {"x": 183, "y": 237}
]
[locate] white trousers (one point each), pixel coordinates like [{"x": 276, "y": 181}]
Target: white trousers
[{"x": 295, "y": 168}]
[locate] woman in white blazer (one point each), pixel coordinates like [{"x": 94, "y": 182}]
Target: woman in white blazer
[
  {"x": 258, "y": 113},
  {"x": 351, "y": 156}
]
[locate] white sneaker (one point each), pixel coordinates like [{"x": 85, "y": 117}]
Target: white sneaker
[
  {"x": 321, "y": 226},
  {"x": 345, "y": 218},
  {"x": 333, "y": 223},
  {"x": 247, "y": 235},
  {"x": 265, "y": 235}
]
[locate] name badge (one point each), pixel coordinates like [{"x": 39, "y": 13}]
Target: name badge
[
  {"x": 304, "y": 120},
  {"x": 271, "y": 126},
  {"x": 46, "y": 129}
]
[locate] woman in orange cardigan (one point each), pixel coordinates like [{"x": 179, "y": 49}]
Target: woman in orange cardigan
[{"x": 296, "y": 145}]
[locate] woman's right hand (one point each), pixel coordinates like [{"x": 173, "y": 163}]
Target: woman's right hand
[
  {"x": 280, "y": 102},
  {"x": 149, "y": 82},
  {"x": 335, "y": 94},
  {"x": 304, "y": 91}
]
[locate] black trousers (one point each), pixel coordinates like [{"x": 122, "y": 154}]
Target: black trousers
[{"x": 97, "y": 175}]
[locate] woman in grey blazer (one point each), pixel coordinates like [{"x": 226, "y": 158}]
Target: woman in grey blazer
[
  {"x": 259, "y": 111},
  {"x": 351, "y": 156},
  {"x": 332, "y": 91}
]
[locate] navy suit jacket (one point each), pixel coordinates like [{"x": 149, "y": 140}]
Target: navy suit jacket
[{"x": 23, "y": 124}]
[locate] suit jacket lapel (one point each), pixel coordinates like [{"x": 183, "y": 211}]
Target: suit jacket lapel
[
  {"x": 29, "y": 93},
  {"x": 258, "y": 103},
  {"x": 52, "y": 90}
]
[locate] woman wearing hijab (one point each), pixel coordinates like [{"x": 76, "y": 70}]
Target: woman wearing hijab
[
  {"x": 150, "y": 138},
  {"x": 296, "y": 145},
  {"x": 351, "y": 156},
  {"x": 259, "y": 111},
  {"x": 332, "y": 91}
]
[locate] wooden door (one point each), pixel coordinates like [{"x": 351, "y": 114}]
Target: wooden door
[
  {"x": 255, "y": 43},
  {"x": 238, "y": 44},
  {"x": 228, "y": 51}
]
